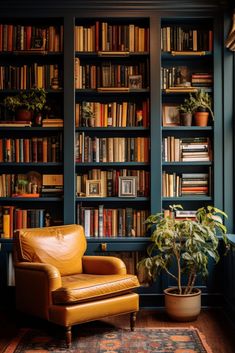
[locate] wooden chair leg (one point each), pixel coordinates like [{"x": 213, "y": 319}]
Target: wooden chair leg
[
  {"x": 133, "y": 321},
  {"x": 68, "y": 334}
]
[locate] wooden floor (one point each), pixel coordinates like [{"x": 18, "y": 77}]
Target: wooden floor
[{"x": 212, "y": 323}]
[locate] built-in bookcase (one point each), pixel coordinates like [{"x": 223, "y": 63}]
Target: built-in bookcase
[
  {"x": 187, "y": 64},
  {"x": 120, "y": 155},
  {"x": 31, "y": 56},
  {"x": 112, "y": 148}
]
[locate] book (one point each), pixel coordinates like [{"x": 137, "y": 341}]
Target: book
[{"x": 14, "y": 123}]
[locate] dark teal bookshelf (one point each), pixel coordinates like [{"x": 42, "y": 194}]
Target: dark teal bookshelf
[{"x": 154, "y": 16}]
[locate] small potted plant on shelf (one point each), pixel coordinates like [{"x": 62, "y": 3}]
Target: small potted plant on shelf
[
  {"x": 202, "y": 107},
  {"x": 26, "y": 103},
  {"x": 186, "y": 112},
  {"x": 188, "y": 244},
  {"x": 88, "y": 116}
]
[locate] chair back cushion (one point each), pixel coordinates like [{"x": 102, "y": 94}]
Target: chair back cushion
[{"x": 60, "y": 246}]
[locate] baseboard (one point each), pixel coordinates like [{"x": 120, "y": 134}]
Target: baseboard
[{"x": 156, "y": 301}]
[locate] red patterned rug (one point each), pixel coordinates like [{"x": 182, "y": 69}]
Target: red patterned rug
[{"x": 111, "y": 340}]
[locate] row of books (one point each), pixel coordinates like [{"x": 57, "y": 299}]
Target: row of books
[
  {"x": 188, "y": 149},
  {"x": 174, "y": 185},
  {"x": 34, "y": 149},
  {"x": 111, "y": 149},
  {"x": 12, "y": 218},
  {"x": 112, "y": 222},
  {"x": 30, "y": 76},
  {"x": 110, "y": 181},
  {"x": 114, "y": 114},
  {"x": 25, "y": 38},
  {"x": 109, "y": 75},
  {"x": 32, "y": 184},
  {"x": 103, "y": 36},
  {"x": 182, "y": 78},
  {"x": 177, "y": 38}
]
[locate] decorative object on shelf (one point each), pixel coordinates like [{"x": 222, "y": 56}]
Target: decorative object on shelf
[
  {"x": 170, "y": 115},
  {"x": 127, "y": 186},
  {"x": 201, "y": 106},
  {"x": 26, "y": 103},
  {"x": 189, "y": 244},
  {"x": 28, "y": 185},
  {"x": 230, "y": 41},
  {"x": 135, "y": 81},
  {"x": 186, "y": 112},
  {"x": 93, "y": 188},
  {"x": 88, "y": 116}
]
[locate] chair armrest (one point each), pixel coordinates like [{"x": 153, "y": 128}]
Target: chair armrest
[
  {"x": 103, "y": 265},
  {"x": 39, "y": 272},
  {"x": 35, "y": 283}
]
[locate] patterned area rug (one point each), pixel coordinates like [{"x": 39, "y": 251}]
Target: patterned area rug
[{"x": 106, "y": 340}]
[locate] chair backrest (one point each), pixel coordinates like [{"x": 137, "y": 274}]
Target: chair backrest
[{"x": 60, "y": 246}]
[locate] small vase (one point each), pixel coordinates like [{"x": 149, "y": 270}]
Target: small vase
[
  {"x": 24, "y": 115},
  {"x": 186, "y": 119},
  {"x": 201, "y": 118},
  {"x": 38, "y": 119}
]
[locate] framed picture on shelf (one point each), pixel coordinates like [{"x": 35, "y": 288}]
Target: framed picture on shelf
[
  {"x": 127, "y": 186},
  {"x": 93, "y": 188},
  {"x": 170, "y": 115},
  {"x": 38, "y": 43},
  {"x": 135, "y": 81}
]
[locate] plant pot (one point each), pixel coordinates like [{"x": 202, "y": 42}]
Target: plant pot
[
  {"x": 185, "y": 307},
  {"x": 201, "y": 118},
  {"x": 186, "y": 119},
  {"x": 24, "y": 115}
]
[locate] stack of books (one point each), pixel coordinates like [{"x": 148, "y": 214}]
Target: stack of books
[
  {"x": 52, "y": 122},
  {"x": 195, "y": 149},
  {"x": 202, "y": 79},
  {"x": 52, "y": 185},
  {"x": 194, "y": 184}
]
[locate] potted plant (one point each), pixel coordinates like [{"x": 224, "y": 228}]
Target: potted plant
[
  {"x": 186, "y": 112},
  {"x": 26, "y": 103},
  {"x": 202, "y": 107},
  {"x": 188, "y": 244},
  {"x": 88, "y": 116}
]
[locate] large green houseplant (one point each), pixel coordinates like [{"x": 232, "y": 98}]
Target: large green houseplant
[{"x": 188, "y": 244}]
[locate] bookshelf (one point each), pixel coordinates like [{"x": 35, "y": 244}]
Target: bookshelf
[
  {"x": 31, "y": 56},
  {"x": 188, "y": 157},
  {"x": 112, "y": 81},
  {"x": 125, "y": 112}
]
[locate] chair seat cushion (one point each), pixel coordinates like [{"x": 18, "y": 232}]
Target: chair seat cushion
[{"x": 87, "y": 287}]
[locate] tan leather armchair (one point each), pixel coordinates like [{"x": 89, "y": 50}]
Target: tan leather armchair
[{"x": 55, "y": 281}]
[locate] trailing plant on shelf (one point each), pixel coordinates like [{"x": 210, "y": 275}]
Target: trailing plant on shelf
[
  {"x": 201, "y": 100},
  {"x": 187, "y": 243}
]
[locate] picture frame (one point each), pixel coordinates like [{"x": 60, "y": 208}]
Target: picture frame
[
  {"x": 127, "y": 186},
  {"x": 93, "y": 188},
  {"x": 135, "y": 81},
  {"x": 170, "y": 115},
  {"x": 38, "y": 43}
]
